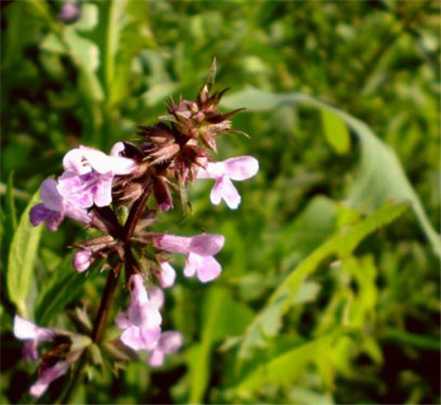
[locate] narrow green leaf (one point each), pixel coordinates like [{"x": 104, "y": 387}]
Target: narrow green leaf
[
  {"x": 267, "y": 322},
  {"x": 112, "y": 13},
  {"x": 223, "y": 317},
  {"x": 22, "y": 255},
  {"x": 336, "y": 132}
]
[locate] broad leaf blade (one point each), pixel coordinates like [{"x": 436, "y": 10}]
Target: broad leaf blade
[{"x": 22, "y": 255}]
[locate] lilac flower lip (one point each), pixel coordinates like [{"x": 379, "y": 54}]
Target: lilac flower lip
[
  {"x": 47, "y": 377},
  {"x": 33, "y": 335},
  {"x": 54, "y": 208},
  {"x": 238, "y": 169},
  {"x": 199, "y": 249}
]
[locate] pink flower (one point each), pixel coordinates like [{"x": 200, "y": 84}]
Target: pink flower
[
  {"x": 32, "y": 335},
  {"x": 54, "y": 208},
  {"x": 82, "y": 260},
  {"x": 141, "y": 322},
  {"x": 167, "y": 275},
  {"x": 47, "y": 376},
  {"x": 89, "y": 174},
  {"x": 199, "y": 249},
  {"x": 239, "y": 168},
  {"x": 169, "y": 342}
]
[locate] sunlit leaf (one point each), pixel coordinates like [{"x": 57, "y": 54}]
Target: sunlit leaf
[
  {"x": 267, "y": 322},
  {"x": 22, "y": 255},
  {"x": 285, "y": 368},
  {"x": 336, "y": 132}
]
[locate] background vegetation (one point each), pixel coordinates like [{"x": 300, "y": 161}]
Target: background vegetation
[{"x": 313, "y": 306}]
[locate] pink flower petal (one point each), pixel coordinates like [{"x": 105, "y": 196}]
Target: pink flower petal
[
  {"x": 50, "y": 196},
  {"x": 82, "y": 260},
  {"x": 122, "y": 321},
  {"x": 103, "y": 163},
  {"x": 170, "y": 342},
  {"x": 77, "y": 213},
  {"x": 74, "y": 188},
  {"x": 206, "y": 244},
  {"x": 191, "y": 264},
  {"x": 216, "y": 192},
  {"x": 121, "y": 165},
  {"x": 139, "y": 339},
  {"x": 30, "y": 350},
  {"x": 74, "y": 161},
  {"x": 212, "y": 170},
  {"x": 47, "y": 376},
  {"x": 24, "y": 329},
  {"x": 39, "y": 213},
  {"x": 103, "y": 194},
  {"x": 156, "y": 297},
  {"x": 156, "y": 358},
  {"x": 241, "y": 167},
  {"x": 167, "y": 275},
  {"x": 117, "y": 149},
  {"x": 208, "y": 269},
  {"x": 230, "y": 194},
  {"x": 172, "y": 243},
  {"x": 138, "y": 292}
]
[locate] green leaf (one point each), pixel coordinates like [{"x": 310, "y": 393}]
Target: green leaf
[
  {"x": 64, "y": 286},
  {"x": 112, "y": 20},
  {"x": 380, "y": 177},
  {"x": 268, "y": 321},
  {"x": 286, "y": 367},
  {"x": 336, "y": 132},
  {"x": 135, "y": 36},
  {"x": 22, "y": 255},
  {"x": 10, "y": 205},
  {"x": 223, "y": 317}
]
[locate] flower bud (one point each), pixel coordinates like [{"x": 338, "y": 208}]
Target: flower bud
[{"x": 82, "y": 260}]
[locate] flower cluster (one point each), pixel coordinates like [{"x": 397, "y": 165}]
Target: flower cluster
[{"x": 143, "y": 179}]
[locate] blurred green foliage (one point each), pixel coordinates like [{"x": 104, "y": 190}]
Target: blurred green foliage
[{"x": 310, "y": 309}]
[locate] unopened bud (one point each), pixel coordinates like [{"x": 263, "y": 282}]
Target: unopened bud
[{"x": 82, "y": 260}]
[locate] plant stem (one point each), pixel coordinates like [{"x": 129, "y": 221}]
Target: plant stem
[
  {"x": 98, "y": 329},
  {"x": 105, "y": 305},
  {"x": 136, "y": 212}
]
